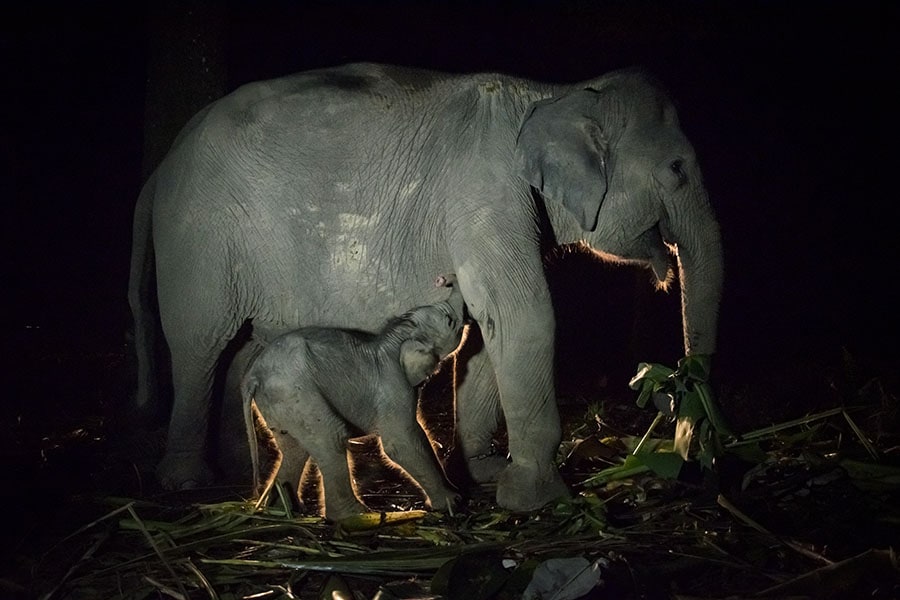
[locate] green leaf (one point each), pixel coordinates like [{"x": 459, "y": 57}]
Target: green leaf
[
  {"x": 472, "y": 576},
  {"x": 653, "y": 372},
  {"x": 631, "y": 467},
  {"x": 710, "y": 447},
  {"x": 649, "y": 379},
  {"x": 750, "y": 452},
  {"x": 711, "y": 408},
  {"x": 872, "y": 476},
  {"x": 664, "y": 464},
  {"x": 689, "y": 412},
  {"x": 695, "y": 367}
]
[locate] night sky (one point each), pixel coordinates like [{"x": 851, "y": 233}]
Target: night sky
[{"x": 790, "y": 107}]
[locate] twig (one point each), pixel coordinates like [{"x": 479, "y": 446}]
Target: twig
[
  {"x": 766, "y": 431},
  {"x": 90, "y": 552},
  {"x": 839, "y": 578},
  {"x": 741, "y": 516},
  {"x": 156, "y": 549},
  {"x": 164, "y": 589},
  {"x": 84, "y": 558},
  {"x": 204, "y": 582},
  {"x": 84, "y": 528},
  {"x": 862, "y": 437}
]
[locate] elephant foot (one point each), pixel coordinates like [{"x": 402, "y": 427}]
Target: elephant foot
[
  {"x": 183, "y": 472},
  {"x": 524, "y": 488},
  {"x": 487, "y": 469}
]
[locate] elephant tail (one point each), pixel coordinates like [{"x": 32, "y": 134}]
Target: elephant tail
[
  {"x": 142, "y": 300},
  {"x": 248, "y": 393}
]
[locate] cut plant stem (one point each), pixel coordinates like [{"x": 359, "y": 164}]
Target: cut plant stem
[
  {"x": 656, "y": 421},
  {"x": 768, "y": 431}
]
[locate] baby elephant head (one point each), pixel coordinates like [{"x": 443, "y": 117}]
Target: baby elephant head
[{"x": 437, "y": 333}]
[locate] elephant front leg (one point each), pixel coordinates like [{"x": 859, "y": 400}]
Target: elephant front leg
[
  {"x": 507, "y": 295},
  {"x": 522, "y": 355},
  {"x": 407, "y": 444}
]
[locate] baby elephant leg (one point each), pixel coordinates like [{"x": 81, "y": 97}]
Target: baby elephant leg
[
  {"x": 290, "y": 469},
  {"x": 329, "y": 452},
  {"x": 406, "y": 443},
  {"x": 325, "y": 434}
]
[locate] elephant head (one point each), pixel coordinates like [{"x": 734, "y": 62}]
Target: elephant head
[
  {"x": 437, "y": 333},
  {"x": 618, "y": 174}
]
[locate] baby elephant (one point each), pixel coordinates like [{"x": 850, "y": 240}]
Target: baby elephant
[{"x": 317, "y": 387}]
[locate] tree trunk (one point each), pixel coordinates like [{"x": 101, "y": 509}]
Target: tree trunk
[{"x": 186, "y": 69}]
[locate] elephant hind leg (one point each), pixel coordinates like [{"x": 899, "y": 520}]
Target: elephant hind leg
[
  {"x": 194, "y": 366},
  {"x": 329, "y": 452},
  {"x": 304, "y": 418},
  {"x": 290, "y": 468},
  {"x": 478, "y": 415},
  {"x": 185, "y": 465}
]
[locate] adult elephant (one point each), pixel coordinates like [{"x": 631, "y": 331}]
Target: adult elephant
[{"x": 332, "y": 198}]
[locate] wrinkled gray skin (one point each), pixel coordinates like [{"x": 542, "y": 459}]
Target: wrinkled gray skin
[
  {"x": 329, "y": 197},
  {"x": 313, "y": 386}
]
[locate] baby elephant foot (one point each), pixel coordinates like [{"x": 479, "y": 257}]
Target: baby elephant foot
[
  {"x": 444, "y": 499},
  {"x": 183, "y": 471},
  {"x": 337, "y": 510},
  {"x": 525, "y": 488}
]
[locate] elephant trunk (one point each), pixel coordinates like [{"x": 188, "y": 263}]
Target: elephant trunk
[{"x": 700, "y": 273}]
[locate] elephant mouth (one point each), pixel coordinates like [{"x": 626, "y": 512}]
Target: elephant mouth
[{"x": 659, "y": 253}]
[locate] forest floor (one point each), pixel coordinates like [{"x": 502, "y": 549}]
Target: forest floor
[{"x": 815, "y": 514}]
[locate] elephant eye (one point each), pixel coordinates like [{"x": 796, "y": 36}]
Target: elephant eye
[
  {"x": 449, "y": 321},
  {"x": 676, "y": 166}
]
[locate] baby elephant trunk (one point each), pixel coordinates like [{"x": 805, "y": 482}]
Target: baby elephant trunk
[{"x": 455, "y": 300}]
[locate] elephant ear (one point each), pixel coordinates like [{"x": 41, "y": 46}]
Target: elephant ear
[
  {"x": 418, "y": 360},
  {"x": 563, "y": 153}
]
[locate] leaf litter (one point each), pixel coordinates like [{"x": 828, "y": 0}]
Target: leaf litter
[{"x": 685, "y": 508}]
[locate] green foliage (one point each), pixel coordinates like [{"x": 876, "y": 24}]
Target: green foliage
[
  {"x": 686, "y": 392},
  {"x": 690, "y": 396}
]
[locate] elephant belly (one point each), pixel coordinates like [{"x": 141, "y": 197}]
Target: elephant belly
[{"x": 343, "y": 292}]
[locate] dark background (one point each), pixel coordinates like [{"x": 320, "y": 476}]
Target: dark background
[{"x": 790, "y": 107}]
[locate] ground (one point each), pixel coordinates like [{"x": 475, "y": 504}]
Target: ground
[{"x": 64, "y": 461}]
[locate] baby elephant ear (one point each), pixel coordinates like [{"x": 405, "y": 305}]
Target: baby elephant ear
[
  {"x": 563, "y": 153},
  {"x": 418, "y": 361}
]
